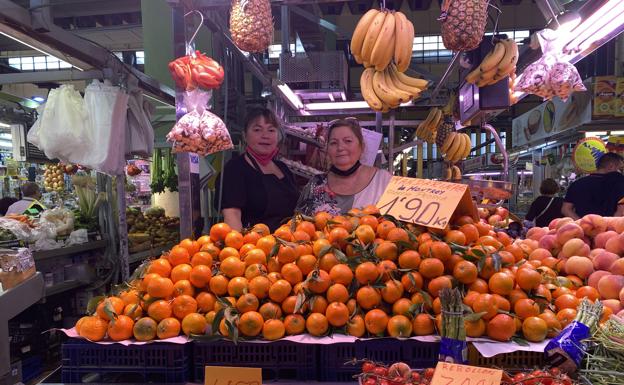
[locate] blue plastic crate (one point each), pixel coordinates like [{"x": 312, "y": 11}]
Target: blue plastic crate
[
  {"x": 155, "y": 362},
  {"x": 124, "y": 375},
  {"x": 280, "y": 360},
  {"x": 334, "y": 366},
  {"x": 31, "y": 368}
]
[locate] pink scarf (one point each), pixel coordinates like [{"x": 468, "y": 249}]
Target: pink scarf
[{"x": 263, "y": 159}]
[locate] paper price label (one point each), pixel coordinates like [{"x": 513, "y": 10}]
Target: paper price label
[
  {"x": 455, "y": 374},
  {"x": 226, "y": 375},
  {"x": 426, "y": 202}
]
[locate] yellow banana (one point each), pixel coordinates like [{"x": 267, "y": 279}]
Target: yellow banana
[
  {"x": 484, "y": 82},
  {"x": 468, "y": 146},
  {"x": 465, "y": 147},
  {"x": 413, "y": 82},
  {"x": 357, "y": 58},
  {"x": 448, "y": 142},
  {"x": 384, "y": 92},
  {"x": 404, "y": 42},
  {"x": 430, "y": 116},
  {"x": 437, "y": 119},
  {"x": 381, "y": 55},
  {"x": 366, "y": 85},
  {"x": 511, "y": 55},
  {"x": 403, "y": 95},
  {"x": 454, "y": 148},
  {"x": 489, "y": 75},
  {"x": 413, "y": 91},
  {"x": 371, "y": 37},
  {"x": 473, "y": 76},
  {"x": 494, "y": 57},
  {"x": 449, "y": 174},
  {"x": 456, "y": 173},
  {"x": 360, "y": 32}
]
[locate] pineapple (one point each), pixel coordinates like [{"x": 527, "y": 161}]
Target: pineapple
[
  {"x": 444, "y": 130},
  {"x": 463, "y": 24},
  {"x": 251, "y": 24}
]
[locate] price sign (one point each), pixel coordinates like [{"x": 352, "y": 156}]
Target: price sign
[
  {"x": 455, "y": 374},
  {"x": 426, "y": 202},
  {"x": 587, "y": 152},
  {"x": 226, "y": 375}
]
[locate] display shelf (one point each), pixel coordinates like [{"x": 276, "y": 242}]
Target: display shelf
[
  {"x": 141, "y": 255},
  {"x": 91, "y": 245},
  {"x": 13, "y": 302},
  {"x": 62, "y": 287},
  {"x": 302, "y": 137}
]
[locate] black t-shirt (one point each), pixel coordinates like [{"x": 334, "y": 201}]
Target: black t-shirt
[
  {"x": 539, "y": 206},
  {"x": 262, "y": 198},
  {"x": 596, "y": 194}
]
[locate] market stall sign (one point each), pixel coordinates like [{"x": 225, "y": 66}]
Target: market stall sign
[
  {"x": 426, "y": 202},
  {"x": 455, "y": 374},
  {"x": 586, "y": 154},
  {"x": 226, "y": 375}
]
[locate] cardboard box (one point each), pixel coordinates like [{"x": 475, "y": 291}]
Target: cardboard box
[{"x": 605, "y": 96}]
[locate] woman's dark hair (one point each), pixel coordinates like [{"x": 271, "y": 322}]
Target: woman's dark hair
[
  {"x": 268, "y": 115},
  {"x": 5, "y": 203},
  {"x": 351, "y": 123},
  {"x": 549, "y": 187}
]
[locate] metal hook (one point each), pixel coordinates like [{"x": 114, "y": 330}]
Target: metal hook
[{"x": 201, "y": 15}]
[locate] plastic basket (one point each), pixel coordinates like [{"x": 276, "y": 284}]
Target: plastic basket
[
  {"x": 280, "y": 360},
  {"x": 334, "y": 366},
  {"x": 516, "y": 360},
  {"x": 31, "y": 368},
  {"x": 155, "y": 362}
]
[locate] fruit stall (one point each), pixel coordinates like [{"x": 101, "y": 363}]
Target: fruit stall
[{"x": 133, "y": 272}]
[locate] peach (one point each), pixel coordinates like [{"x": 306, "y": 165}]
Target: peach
[
  {"x": 550, "y": 242},
  {"x": 502, "y": 212},
  {"x": 574, "y": 247},
  {"x": 614, "y": 245},
  {"x": 483, "y": 212},
  {"x": 622, "y": 295},
  {"x": 621, "y": 314},
  {"x": 610, "y": 286},
  {"x": 495, "y": 220},
  {"x": 569, "y": 231},
  {"x": 614, "y": 304},
  {"x": 536, "y": 233},
  {"x": 539, "y": 254},
  {"x": 617, "y": 267},
  {"x": 601, "y": 239},
  {"x": 604, "y": 260},
  {"x": 595, "y": 277},
  {"x": 594, "y": 252},
  {"x": 563, "y": 221},
  {"x": 593, "y": 224},
  {"x": 579, "y": 266},
  {"x": 617, "y": 224}
]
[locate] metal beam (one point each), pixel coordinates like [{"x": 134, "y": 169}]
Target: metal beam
[
  {"x": 49, "y": 76},
  {"x": 450, "y": 69},
  {"x": 248, "y": 60},
  {"x": 321, "y": 22},
  {"x": 18, "y": 23}
]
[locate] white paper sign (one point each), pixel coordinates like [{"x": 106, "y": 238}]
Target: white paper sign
[{"x": 372, "y": 140}]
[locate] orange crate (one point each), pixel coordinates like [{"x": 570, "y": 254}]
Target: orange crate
[{"x": 515, "y": 360}]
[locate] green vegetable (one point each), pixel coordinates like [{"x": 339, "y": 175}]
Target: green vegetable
[
  {"x": 158, "y": 184},
  {"x": 171, "y": 178}
]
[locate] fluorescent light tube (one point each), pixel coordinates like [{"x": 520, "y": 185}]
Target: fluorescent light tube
[
  {"x": 617, "y": 132},
  {"x": 290, "y": 96},
  {"x": 35, "y": 48},
  {"x": 603, "y": 21},
  {"x": 4, "y": 125},
  {"x": 357, "y": 105}
]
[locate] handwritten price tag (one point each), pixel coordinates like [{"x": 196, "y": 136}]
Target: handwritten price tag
[
  {"x": 454, "y": 374},
  {"x": 226, "y": 375},
  {"x": 426, "y": 202}
]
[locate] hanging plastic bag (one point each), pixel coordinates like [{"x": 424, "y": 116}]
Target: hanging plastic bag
[
  {"x": 139, "y": 131},
  {"x": 107, "y": 110},
  {"x": 199, "y": 131},
  {"x": 551, "y": 75},
  {"x": 61, "y": 130}
]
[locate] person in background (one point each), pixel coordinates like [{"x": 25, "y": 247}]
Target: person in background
[
  {"x": 257, "y": 188},
  {"x": 348, "y": 184},
  {"x": 29, "y": 204},
  {"x": 547, "y": 206},
  {"x": 5, "y": 203},
  {"x": 599, "y": 192}
]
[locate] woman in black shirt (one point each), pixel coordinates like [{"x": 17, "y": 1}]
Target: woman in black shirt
[
  {"x": 257, "y": 188},
  {"x": 547, "y": 206}
]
